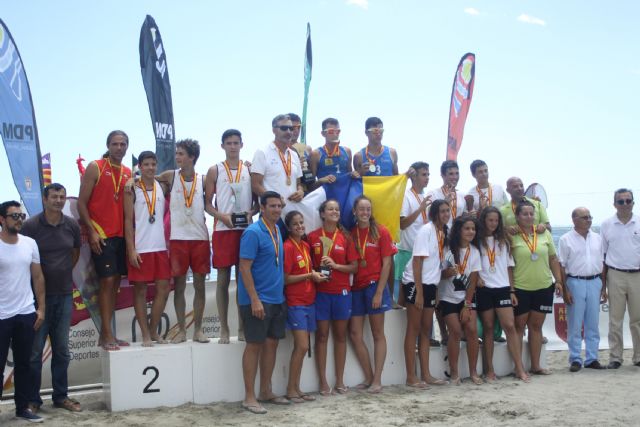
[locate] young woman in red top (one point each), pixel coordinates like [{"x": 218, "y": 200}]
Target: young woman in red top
[
  {"x": 300, "y": 292},
  {"x": 333, "y": 297},
  {"x": 370, "y": 295}
]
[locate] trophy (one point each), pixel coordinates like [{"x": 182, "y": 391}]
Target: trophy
[
  {"x": 327, "y": 243},
  {"x": 238, "y": 218},
  {"x": 468, "y": 199},
  {"x": 307, "y": 176}
]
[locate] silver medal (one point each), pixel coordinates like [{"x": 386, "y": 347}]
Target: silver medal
[
  {"x": 492, "y": 269},
  {"x": 188, "y": 211},
  {"x": 372, "y": 168},
  {"x": 534, "y": 256},
  {"x": 152, "y": 219}
]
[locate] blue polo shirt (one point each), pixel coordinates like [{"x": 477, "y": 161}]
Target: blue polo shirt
[{"x": 268, "y": 277}]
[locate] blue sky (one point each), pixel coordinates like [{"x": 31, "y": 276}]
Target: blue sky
[{"x": 554, "y": 101}]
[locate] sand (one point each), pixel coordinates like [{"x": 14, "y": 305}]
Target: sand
[{"x": 586, "y": 398}]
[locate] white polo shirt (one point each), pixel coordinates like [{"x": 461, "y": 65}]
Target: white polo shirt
[
  {"x": 499, "y": 278},
  {"x": 267, "y": 163},
  {"x": 410, "y": 204},
  {"x": 621, "y": 242},
  {"x": 498, "y": 196},
  {"x": 426, "y": 245},
  {"x": 461, "y": 208},
  {"x": 580, "y": 256}
]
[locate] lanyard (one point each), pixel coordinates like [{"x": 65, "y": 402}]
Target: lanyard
[
  {"x": 454, "y": 201},
  {"x": 440, "y": 235},
  {"x": 532, "y": 245},
  {"x": 333, "y": 239},
  {"x": 274, "y": 239},
  {"x": 335, "y": 152},
  {"x": 151, "y": 204},
  {"x": 304, "y": 254},
  {"x": 489, "y": 194},
  {"x": 286, "y": 164},
  {"x": 462, "y": 267},
  {"x": 424, "y": 214},
  {"x": 362, "y": 247},
  {"x": 116, "y": 187},
  {"x": 228, "y": 170},
  {"x": 188, "y": 200}
]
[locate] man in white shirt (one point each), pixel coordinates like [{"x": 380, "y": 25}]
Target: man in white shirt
[
  {"x": 485, "y": 194},
  {"x": 19, "y": 319},
  {"x": 581, "y": 257},
  {"x": 621, "y": 243},
  {"x": 450, "y": 176}
]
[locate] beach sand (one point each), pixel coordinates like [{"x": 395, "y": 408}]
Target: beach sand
[{"x": 586, "y": 398}]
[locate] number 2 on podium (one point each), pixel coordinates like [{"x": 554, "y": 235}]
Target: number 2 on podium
[{"x": 153, "y": 380}]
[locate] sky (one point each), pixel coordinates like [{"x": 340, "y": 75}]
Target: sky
[{"x": 555, "y": 98}]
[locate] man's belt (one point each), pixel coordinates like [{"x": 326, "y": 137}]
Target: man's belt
[
  {"x": 595, "y": 276},
  {"x": 633, "y": 270}
]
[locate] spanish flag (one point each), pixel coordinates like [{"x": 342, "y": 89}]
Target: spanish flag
[{"x": 46, "y": 169}]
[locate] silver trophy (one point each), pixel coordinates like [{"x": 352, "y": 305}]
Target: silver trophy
[{"x": 238, "y": 217}]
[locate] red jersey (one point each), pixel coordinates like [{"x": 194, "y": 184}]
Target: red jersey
[
  {"x": 373, "y": 254},
  {"x": 342, "y": 252},
  {"x": 106, "y": 202},
  {"x": 297, "y": 260}
]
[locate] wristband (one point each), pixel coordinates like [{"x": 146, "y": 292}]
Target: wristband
[
  {"x": 468, "y": 304},
  {"x": 512, "y": 291}
]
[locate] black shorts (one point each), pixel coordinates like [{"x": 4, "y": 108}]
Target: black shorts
[
  {"x": 428, "y": 292},
  {"x": 490, "y": 298},
  {"x": 540, "y": 301},
  {"x": 272, "y": 326},
  {"x": 447, "y": 308},
  {"x": 113, "y": 259}
]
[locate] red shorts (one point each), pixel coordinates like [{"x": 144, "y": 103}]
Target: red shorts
[
  {"x": 225, "y": 245},
  {"x": 154, "y": 266},
  {"x": 189, "y": 253}
]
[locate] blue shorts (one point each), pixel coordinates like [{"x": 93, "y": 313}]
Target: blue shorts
[
  {"x": 332, "y": 306},
  {"x": 363, "y": 299},
  {"x": 301, "y": 317}
]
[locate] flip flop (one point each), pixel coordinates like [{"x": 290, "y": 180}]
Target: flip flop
[
  {"x": 342, "y": 389},
  {"x": 477, "y": 380},
  {"x": 363, "y": 386},
  {"x": 419, "y": 385},
  {"x": 456, "y": 381},
  {"x": 254, "y": 409},
  {"x": 276, "y": 400},
  {"x": 374, "y": 390},
  {"x": 326, "y": 393},
  {"x": 110, "y": 346},
  {"x": 307, "y": 397},
  {"x": 491, "y": 378},
  {"x": 542, "y": 371},
  {"x": 296, "y": 399},
  {"x": 122, "y": 343},
  {"x": 437, "y": 381}
]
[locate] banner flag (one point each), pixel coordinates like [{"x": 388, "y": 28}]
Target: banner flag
[
  {"x": 461, "y": 94},
  {"x": 308, "y": 62},
  {"x": 18, "y": 125},
  {"x": 386, "y": 194},
  {"x": 46, "y": 169},
  {"x": 345, "y": 190},
  {"x": 155, "y": 77}
]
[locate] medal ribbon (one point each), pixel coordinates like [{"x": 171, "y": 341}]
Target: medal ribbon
[
  {"x": 116, "y": 188},
  {"x": 335, "y": 152},
  {"x": 366, "y": 153},
  {"x": 228, "y": 170},
  {"x": 454, "y": 201},
  {"x": 286, "y": 163},
  {"x": 440, "y": 235},
  {"x": 423, "y": 213},
  {"x": 304, "y": 254},
  {"x": 333, "y": 239},
  {"x": 362, "y": 247},
  {"x": 188, "y": 200},
  {"x": 151, "y": 204},
  {"x": 462, "y": 267},
  {"x": 491, "y": 254},
  {"x": 532, "y": 245},
  {"x": 274, "y": 238},
  {"x": 489, "y": 194}
]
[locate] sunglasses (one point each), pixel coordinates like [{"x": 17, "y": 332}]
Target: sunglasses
[
  {"x": 375, "y": 131},
  {"x": 285, "y": 128},
  {"x": 586, "y": 217},
  {"x": 623, "y": 202},
  {"x": 332, "y": 131},
  {"x": 17, "y": 216}
]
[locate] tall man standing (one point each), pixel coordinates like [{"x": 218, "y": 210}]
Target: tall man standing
[
  {"x": 581, "y": 259},
  {"x": 485, "y": 194},
  {"x": 261, "y": 298},
  {"x": 621, "y": 242},
  {"x": 58, "y": 239},
  {"x": 189, "y": 241},
  {"x": 331, "y": 160},
  {"x": 100, "y": 205},
  {"x": 450, "y": 174},
  {"x": 515, "y": 188},
  {"x": 375, "y": 159},
  {"x": 19, "y": 266}
]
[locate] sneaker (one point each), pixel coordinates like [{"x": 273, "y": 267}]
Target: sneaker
[
  {"x": 614, "y": 365},
  {"x": 575, "y": 367},
  {"x": 594, "y": 365},
  {"x": 28, "y": 415}
]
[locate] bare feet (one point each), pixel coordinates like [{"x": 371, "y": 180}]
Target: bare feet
[
  {"x": 180, "y": 337},
  {"x": 158, "y": 339},
  {"x": 523, "y": 376},
  {"x": 224, "y": 336},
  {"x": 199, "y": 336},
  {"x": 147, "y": 343},
  {"x": 375, "y": 389},
  {"x": 490, "y": 377},
  {"x": 435, "y": 381},
  {"x": 476, "y": 379}
]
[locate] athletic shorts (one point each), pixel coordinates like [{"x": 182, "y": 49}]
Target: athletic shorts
[
  {"x": 154, "y": 266},
  {"x": 540, "y": 300},
  {"x": 272, "y": 326},
  {"x": 362, "y": 300},
  {"x": 333, "y": 306},
  {"x": 401, "y": 259},
  {"x": 490, "y": 298},
  {"x": 447, "y": 307},
  {"x": 301, "y": 317},
  {"x": 225, "y": 246},
  {"x": 113, "y": 259},
  {"x": 428, "y": 292},
  {"x": 189, "y": 253}
]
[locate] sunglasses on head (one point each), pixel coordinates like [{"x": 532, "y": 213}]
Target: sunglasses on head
[
  {"x": 285, "y": 128},
  {"x": 623, "y": 202},
  {"x": 16, "y": 216}
]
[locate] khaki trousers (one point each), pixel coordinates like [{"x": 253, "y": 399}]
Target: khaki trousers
[{"x": 624, "y": 292}]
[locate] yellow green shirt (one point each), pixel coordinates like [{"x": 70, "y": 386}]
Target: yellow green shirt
[
  {"x": 509, "y": 215},
  {"x": 532, "y": 275}
]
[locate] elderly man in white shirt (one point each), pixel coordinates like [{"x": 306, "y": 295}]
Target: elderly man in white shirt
[
  {"x": 581, "y": 256},
  {"x": 621, "y": 242}
]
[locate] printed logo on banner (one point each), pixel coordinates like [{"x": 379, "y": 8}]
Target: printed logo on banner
[
  {"x": 161, "y": 66},
  {"x": 7, "y": 51},
  {"x": 164, "y": 130}
]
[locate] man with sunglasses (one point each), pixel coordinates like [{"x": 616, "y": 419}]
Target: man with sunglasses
[
  {"x": 621, "y": 243},
  {"x": 331, "y": 160},
  {"x": 58, "y": 239},
  {"x": 581, "y": 259},
  {"x": 375, "y": 159},
  {"x": 19, "y": 319}
]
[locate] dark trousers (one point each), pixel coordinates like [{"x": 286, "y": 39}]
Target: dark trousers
[{"x": 17, "y": 332}]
